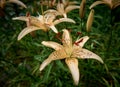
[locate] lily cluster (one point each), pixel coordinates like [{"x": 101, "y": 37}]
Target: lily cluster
[{"x": 68, "y": 51}]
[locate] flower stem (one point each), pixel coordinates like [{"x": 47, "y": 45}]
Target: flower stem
[
  {"x": 41, "y": 6},
  {"x": 48, "y": 36}
]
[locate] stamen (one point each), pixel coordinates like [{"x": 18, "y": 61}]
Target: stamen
[
  {"x": 70, "y": 30},
  {"x": 79, "y": 33},
  {"x": 58, "y": 36},
  {"x": 27, "y": 14},
  {"x": 77, "y": 43}
]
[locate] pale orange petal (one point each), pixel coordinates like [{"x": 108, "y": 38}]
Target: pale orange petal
[
  {"x": 48, "y": 18},
  {"x": 71, "y": 7},
  {"x": 27, "y": 30},
  {"x": 73, "y": 2},
  {"x": 22, "y": 18},
  {"x": 63, "y": 20},
  {"x": 67, "y": 2},
  {"x": 54, "y": 28},
  {"x": 56, "y": 55},
  {"x": 66, "y": 39},
  {"x": 52, "y": 44},
  {"x": 37, "y": 21},
  {"x": 80, "y": 42},
  {"x": 86, "y": 54},
  {"x": 52, "y": 11},
  {"x": 72, "y": 64},
  {"x": 116, "y": 4},
  {"x": 97, "y": 3},
  {"x": 60, "y": 8},
  {"x": 17, "y": 2}
]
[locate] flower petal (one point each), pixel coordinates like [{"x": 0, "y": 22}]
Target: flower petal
[
  {"x": 59, "y": 54},
  {"x": 52, "y": 44},
  {"x": 73, "y": 2},
  {"x": 26, "y": 31},
  {"x": 38, "y": 22},
  {"x": 72, "y": 64},
  {"x": 86, "y": 54},
  {"x": 63, "y": 20},
  {"x": 22, "y": 18},
  {"x": 116, "y": 4},
  {"x": 67, "y": 2},
  {"x": 55, "y": 12},
  {"x": 80, "y": 42},
  {"x": 66, "y": 39},
  {"x": 60, "y": 8},
  {"x": 48, "y": 18},
  {"x": 97, "y": 3},
  {"x": 54, "y": 28},
  {"x": 17, "y": 2},
  {"x": 71, "y": 7}
]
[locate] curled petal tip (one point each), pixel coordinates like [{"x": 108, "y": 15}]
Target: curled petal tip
[
  {"x": 54, "y": 29},
  {"x": 44, "y": 64},
  {"x": 43, "y": 42}
]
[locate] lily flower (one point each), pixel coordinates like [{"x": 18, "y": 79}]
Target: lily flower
[
  {"x": 49, "y": 3},
  {"x": 18, "y": 2},
  {"x": 70, "y": 52},
  {"x": 63, "y": 7},
  {"x": 42, "y": 22},
  {"x": 111, "y": 3},
  {"x": 66, "y": 6}
]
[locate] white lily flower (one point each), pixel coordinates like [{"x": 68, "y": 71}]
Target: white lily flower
[
  {"x": 70, "y": 52},
  {"x": 42, "y": 22}
]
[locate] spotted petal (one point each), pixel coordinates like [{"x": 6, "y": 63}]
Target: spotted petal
[
  {"x": 52, "y": 44},
  {"x": 86, "y": 54},
  {"x": 66, "y": 39},
  {"x": 56, "y": 55},
  {"x": 80, "y": 42},
  {"x": 26, "y": 31},
  {"x": 72, "y": 64}
]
